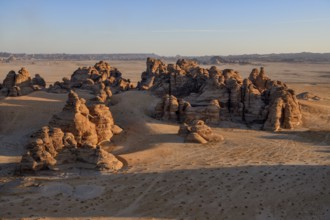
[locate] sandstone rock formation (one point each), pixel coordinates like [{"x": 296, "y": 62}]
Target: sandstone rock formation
[
  {"x": 198, "y": 132},
  {"x": 21, "y": 83},
  {"x": 283, "y": 108},
  {"x": 92, "y": 78},
  {"x": 38, "y": 82},
  {"x": 155, "y": 67},
  {"x": 73, "y": 135},
  {"x": 181, "y": 79},
  {"x": 171, "y": 108},
  {"x": 190, "y": 92}
]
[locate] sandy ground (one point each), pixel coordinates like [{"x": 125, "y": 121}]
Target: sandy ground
[{"x": 251, "y": 175}]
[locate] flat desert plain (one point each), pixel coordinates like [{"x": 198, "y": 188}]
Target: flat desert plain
[{"x": 252, "y": 174}]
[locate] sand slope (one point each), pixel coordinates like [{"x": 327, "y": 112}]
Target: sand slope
[{"x": 20, "y": 116}]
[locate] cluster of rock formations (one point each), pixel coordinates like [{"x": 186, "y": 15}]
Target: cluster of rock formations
[
  {"x": 90, "y": 78},
  {"x": 198, "y": 132},
  {"x": 21, "y": 83},
  {"x": 74, "y": 135},
  {"x": 100, "y": 79},
  {"x": 192, "y": 93}
]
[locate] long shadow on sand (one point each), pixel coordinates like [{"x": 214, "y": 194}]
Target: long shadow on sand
[
  {"x": 316, "y": 137},
  {"x": 148, "y": 141},
  {"x": 247, "y": 192},
  {"x": 20, "y": 119}
]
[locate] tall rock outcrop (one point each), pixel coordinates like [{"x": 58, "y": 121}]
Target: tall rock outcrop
[
  {"x": 155, "y": 68},
  {"x": 73, "y": 135},
  {"x": 38, "y": 82},
  {"x": 74, "y": 118}
]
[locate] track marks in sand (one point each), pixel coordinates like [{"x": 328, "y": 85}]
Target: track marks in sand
[{"x": 252, "y": 192}]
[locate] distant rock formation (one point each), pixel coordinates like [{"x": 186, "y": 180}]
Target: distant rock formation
[
  {"x": 191, "y": 93},
  {"x": 60, "y": 87},
  {"x": 21, "y": 83},
  {"x": 38, "y": 82},
  {"x": 155, "y": 68},
  {"x": 10, "y": 59},
  {"x": 90, "y": 78},
  {"x": 198, "y": 132},
  {"x": 73, "y": 135},
  {"x": 216, "y": 60}
]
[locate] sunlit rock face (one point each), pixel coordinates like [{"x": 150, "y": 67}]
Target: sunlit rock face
[
  {"x": 93, "y": 77},
  {"x": 73, "y": 135},
  {"x": 190, "y": 92}
]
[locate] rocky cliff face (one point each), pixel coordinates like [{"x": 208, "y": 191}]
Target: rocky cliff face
[
  {"x": 190, "y": 92},
  {"x": 73, "y": 135}
]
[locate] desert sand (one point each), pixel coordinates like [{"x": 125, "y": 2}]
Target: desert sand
[{"x": 251, "y": 175}]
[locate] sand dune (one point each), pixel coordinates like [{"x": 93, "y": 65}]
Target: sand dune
[{"x": 251, "y": 175}]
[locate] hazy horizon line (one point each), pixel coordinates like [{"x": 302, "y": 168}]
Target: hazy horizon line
[{"x": 107, "y": 53}]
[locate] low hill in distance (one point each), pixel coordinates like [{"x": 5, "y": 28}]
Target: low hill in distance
[{"x": 304, "y": 57}]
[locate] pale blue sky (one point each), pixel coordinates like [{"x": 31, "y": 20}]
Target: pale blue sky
[{"x": 165, "y": 27}]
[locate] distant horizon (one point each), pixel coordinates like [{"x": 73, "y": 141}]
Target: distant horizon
[{"x": 192, "y": 55}]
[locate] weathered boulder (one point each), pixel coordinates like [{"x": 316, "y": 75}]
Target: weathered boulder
[
  {"x": 60, "y": 87},
  {"x": 198, "y": 132},
  {"x": 38, "y": 81},
  {"x": 81, "y": 75},
  {"x": 98, "y": 157},
  {"x": 9, "y": 81},
  {"x": 17, "y": 84},
  {"x": 23, "y": 78}
]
